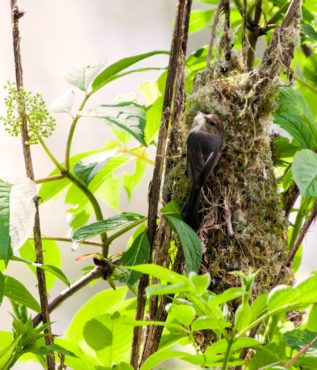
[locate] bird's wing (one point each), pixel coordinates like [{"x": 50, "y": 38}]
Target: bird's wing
[
  {"x": 209, "y": 166},
  {"x": 195, "y": 155}
]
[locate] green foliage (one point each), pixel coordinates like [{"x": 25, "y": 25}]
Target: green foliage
[{"x": 305, "y": 172}]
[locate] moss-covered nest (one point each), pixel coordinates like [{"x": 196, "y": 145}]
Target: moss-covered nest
[{"x": 242, "y": 221}]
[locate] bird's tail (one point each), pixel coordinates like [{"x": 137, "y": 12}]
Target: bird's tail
[{"x": 190, "y": 208}]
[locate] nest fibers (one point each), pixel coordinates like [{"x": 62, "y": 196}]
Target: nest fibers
[{"x": 243, "y": 225}]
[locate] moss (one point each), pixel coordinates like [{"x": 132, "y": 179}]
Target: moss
[{"x": 243, "y": 224}]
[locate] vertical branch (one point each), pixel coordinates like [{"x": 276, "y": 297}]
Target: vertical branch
[
  {"x": 213, "y": 32},
  {"x": 244, "y": 29},
  {"x": 16, "y": 14},
  {"x": 182, "y": 12},
  {"x": 255, "y": 32},
  {"x": 227, "y": 36}
]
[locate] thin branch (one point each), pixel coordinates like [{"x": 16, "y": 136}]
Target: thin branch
[
  {"x": 155, "y": 185},
  {"x": 69, "y": 240},
  {"x": 227, "y": 36},
  {"x": 289, "y": 198},
  {"x": 213, "y": 32},
  {"x": 301, "y": 235},
  {"x": 75, "y": 287},
  {"x": 16, "y": 14},
  {"x": 48, "y": 179},
  {"x": 299, "y": 353}
]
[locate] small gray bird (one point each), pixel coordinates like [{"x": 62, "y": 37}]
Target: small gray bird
[{"x": 204, "y": 146}]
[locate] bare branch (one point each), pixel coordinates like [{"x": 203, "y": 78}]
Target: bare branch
[
  {"x": 16, "y": 14},
  {"x": 183, "y": 7},
  {"x": 213, "y": 32},
  {"x": 299, "y": 353},
  {"x": 75, "y": 287},
  {"x": 301, "y": 235}
]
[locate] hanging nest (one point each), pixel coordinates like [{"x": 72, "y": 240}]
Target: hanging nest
[{"x": 243, "y": 225}]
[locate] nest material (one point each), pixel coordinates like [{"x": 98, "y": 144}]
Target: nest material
[{"x": 242, "y": 222}]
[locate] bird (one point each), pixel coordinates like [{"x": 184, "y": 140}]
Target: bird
[{"x": 204, "y": 146}]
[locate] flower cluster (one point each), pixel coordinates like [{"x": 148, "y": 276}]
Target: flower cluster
[{"x": 21, "y": 105}]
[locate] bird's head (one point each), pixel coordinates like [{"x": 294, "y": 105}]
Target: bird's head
[{"x": 214, "y": 121}]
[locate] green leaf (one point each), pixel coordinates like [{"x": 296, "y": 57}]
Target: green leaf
[
  {"x": 190, "y": 243},
  {"x": 1, "y": 287},
  {"x": 86, "y": 172},
  {"x": 221, "y": 345},
  {"x": 161, "y": 273},
  {"x": 111, "y": 223},
  {"x": 107, "y": 301},
  {"x": 57, "y": 348},
  {"x": 208, "y": 323},
  {"x": 295, "y": 116},
  {"x": 132, "y": 180},
  {"x": 5, "y": 244},
  {"x": 18, "y": 293},
  {"x": 309, "y": 31},
  {"x": 166, "y": 289},
  {"x": 182, "y": 313},
  {"x": 83, "y": 77},
  {"x": 258, "y": 306},
  {"x": 199, "y": 19},
  {"x": 110, "y": 191},
  {"x": 172, "y": 208},
  {"x": 138, "y": 253},
  {"x": 51, "y": 255},
  {"x": 305, "y": 172},
  {"x": 242, "y": 317},
  {"x": 127, "y": 116},
  {"x": 297, "y": 339},
  {"x": 150, "y": 91},
  {"x": 50, "y": 189},
  {"x": 228, "y": 295},
  {"x": 112, "y": 72},
  {"x": 200, "y": 283}
]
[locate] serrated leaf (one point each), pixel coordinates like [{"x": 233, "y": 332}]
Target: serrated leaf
[
  {"x": 63, "y": 103},
  {"x": 200, "y": 19},
  {"x": 138, "y": 253},
  {"x": 17, "y": 292},
  {"x": 113, "y": 71},
  {"x": 190, "y": 243},
  {"x": 5, "y": 244},
  {"x": 109, "y": 224},
  {"x": 127, "y": 116},
  {"x": 22, "y": 211},
  {"x": 304, "y": 170},
  {"x": 84, "y": 76}
]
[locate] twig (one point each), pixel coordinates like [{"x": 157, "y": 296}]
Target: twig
[
  {"x": 300, "y": 353},
  {"x": 16, "y": 14},
  {"x": 48, "y": 179},
  {"x": 301, "y": 235},
  {"x": 289, "y": 198},
  {"x": 213, "y": 32},
  {"x": 155, "y": 185},
  {"x": 244, "y": 30},
  {"x": 227, "y": 36},
  {"x": 75, "y": 287},
  {"x": 69, "y": 240}
]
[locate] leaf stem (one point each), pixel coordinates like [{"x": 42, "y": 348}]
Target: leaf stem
[
  {"x": 69, "y": 240},
  {"x": 228, "y": 353},
  {"x": 48, "y": 179},
  {"x": 72, "y": 131},
  {"x": 82, "y": 186}
]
